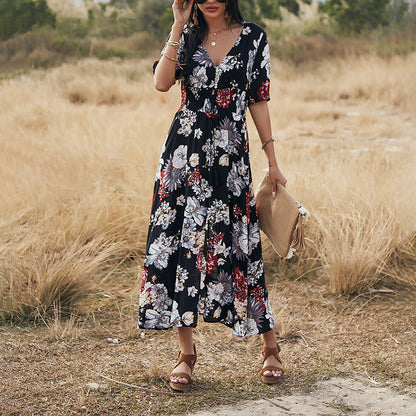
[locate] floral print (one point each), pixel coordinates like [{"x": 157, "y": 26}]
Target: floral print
[{"x": 203, "y": 253}]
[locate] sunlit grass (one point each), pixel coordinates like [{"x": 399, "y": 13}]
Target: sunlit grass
[{"x": 79, "y": 146}]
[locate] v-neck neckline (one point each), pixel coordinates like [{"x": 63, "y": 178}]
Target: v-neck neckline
[{"x": 232, "y": 47}]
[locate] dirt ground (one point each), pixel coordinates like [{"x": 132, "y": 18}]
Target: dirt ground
[
  {"x": 339, "y": 354},
  {"x": 337, "y": 396}
]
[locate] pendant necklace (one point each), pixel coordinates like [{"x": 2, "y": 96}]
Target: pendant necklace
[{"x": 213, "y": 42}]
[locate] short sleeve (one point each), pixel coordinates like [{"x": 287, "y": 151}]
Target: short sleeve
[
  {"x": 179, "y": 73},
  {"x": 259, "y": 70}
]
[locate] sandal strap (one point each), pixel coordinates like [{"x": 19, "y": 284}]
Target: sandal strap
[
  {"x": 267, "y": 352},
  {"x": 189, "y": 359}
]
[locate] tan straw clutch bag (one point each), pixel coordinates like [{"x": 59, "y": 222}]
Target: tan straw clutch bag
[{"x": 280, "y": 218}]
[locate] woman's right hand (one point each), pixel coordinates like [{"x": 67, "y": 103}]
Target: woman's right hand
[{"x": 180, "y": 14}]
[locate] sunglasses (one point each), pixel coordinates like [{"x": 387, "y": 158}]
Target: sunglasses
[{"x": 203, "y": 1}]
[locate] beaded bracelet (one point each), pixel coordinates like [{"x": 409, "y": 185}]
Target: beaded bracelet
[
  {"x": 267, "y": 142},
  {"x": 169, "y": 57}
]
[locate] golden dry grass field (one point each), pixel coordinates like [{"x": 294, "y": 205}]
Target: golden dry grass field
[{"x": 79, "y": 145}]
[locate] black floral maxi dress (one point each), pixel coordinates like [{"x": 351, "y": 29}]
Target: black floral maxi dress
[{"x": 203, "y": 253}]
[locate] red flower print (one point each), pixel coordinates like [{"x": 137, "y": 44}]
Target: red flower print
[
  {"x": 248, "y": 206},
  {"x": 240, "y": 284},
  {"x": 264, "y": 91},
  {"x": 212, "y": 262},
  {"x": 258, "y": 294},
  {"x": 183, "y": 98},
  {"x": 224, "y": 97},
  {"x": 216, "y": 239},
  {"x": 237, "y": 211},
  {"x": 199, "y": 260},
  {"x": 195, "y": 177},
  {"x": 144, "y": 278},
  {"x": 162, "y": 191}
]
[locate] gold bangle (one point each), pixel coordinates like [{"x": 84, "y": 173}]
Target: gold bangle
[
  {"x": 172, "y": 43},
  {"x": 169, "y": 57},
  {"x": 267, "y": 142}
]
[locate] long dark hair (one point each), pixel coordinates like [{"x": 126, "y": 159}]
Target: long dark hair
[{"x": 197, "y": 28}]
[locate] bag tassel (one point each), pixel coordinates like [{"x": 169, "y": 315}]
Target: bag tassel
[{"x": 298, "y": 241}]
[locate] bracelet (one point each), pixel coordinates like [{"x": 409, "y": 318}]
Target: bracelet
[
  {"x": 267, "y": 142},
  {"x": 169, "y": 57},
  {"x": 172, "y": 43}
]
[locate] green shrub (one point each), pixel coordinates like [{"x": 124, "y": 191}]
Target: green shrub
[{"x": 19, "y": 16}]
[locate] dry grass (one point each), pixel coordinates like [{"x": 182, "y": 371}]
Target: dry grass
[
  {"x": 321, "y": 335},
  {"x": 79, "y": 147}
]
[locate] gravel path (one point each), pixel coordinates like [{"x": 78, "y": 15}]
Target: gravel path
[{"x": 337, "y": 396}]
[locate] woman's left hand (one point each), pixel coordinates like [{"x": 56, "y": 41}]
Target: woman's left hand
[{"x": 276, "y": 176}]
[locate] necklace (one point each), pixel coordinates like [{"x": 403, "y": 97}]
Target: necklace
[{"x": 213, "y": 42}]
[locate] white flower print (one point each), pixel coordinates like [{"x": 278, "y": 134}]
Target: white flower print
[
  {"x": 218, "y": 211},
  {"x": 238, "y": 178},
  {"x": 250, "y": 63},
  {"x": 181, "y": 278},
  {"x": 198, "y": 79},
  {"x": 221, "y": 138},
  {"x": 208, "y": 107},
  {"x": 145, "y": 298},
  {"x": 175, "y": 317},
  {"x": 253, "y": 236},
  {"x": 239, "y": 329},
  {"x": 173, "y": 177},
  {"x": 224, "y": 160},
  {"x": 201, "y": 56},
  {"x": 251, "y": 327},
  {"x": 202, "y": 190},
  {"x": 229, "y": 63},
  {"x": 192, "y": 291},
  {"x": 195, "y": 211},
  {"x": 240, "y": 106},
  {"x": 233, "y": 136},
  {"x": 187, "y": 120},
  {"x": 210, "y": 152},
  {"x": 188, "y": 234},
  {"x": 188, "y": 318},
  {"x": 246, "y": 30},
  {"x": 158, "y": 320},
  {"x": 255, "y": 271},
  {"x": 160, "y": 297},
  {"x": 194, "y": 159},
  {"x": 164, "y": 215},
  {"x": 214, "y": 291},
  {"x": 265, "y": 63},
  {"x": 240, "y": 240},
  {"x": 179, "y": 157},
  {"x": 160, "y": 251},
  {"x": 180, "y": 200},
  {"x": 198, "y": 133}
]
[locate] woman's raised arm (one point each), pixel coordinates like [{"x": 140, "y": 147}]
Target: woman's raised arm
[{"x": 164, "y": 76}]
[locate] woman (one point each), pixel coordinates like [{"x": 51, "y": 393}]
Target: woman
[{"x": 203, "y": 251}]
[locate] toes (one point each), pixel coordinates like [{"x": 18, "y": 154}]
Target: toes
[{"x": 183, "y": 381}]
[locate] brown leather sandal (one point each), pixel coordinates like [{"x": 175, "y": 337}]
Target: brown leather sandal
[
  {"x": 267, "y": 352},
  {"x": 190, "y": 360}
]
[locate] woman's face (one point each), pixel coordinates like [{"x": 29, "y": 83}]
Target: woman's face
[{"x": 212, "y": 9}]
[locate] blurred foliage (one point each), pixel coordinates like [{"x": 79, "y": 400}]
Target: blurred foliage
[
  {"x": 358, "y": 16},
  {"x": 19, "y": 16},
  {"x": 32, "y": 36}
]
